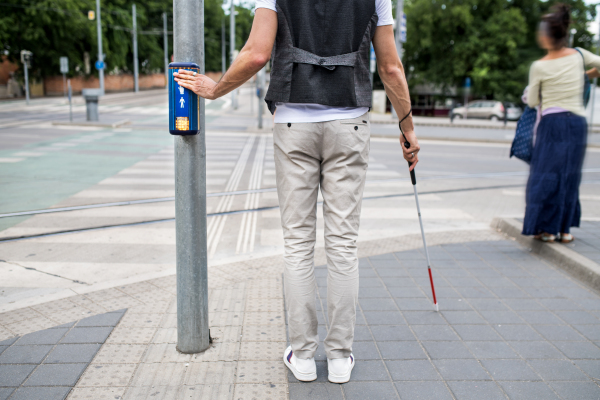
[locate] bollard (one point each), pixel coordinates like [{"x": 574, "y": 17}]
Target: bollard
[
  {"x": 193, "y": 335},
  {"x": 91, "y": 97}
]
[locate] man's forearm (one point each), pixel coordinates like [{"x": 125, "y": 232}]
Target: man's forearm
[
  {"x": 396, "y": 88},
  {"x": 243, "y": 68}
]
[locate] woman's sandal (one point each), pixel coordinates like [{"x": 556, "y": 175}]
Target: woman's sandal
[
  {"x": 545, "y": 237},
  {"x": 566, "y": 238}
]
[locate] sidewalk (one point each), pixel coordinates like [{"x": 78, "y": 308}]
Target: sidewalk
[{"x": 510, "y": 325}]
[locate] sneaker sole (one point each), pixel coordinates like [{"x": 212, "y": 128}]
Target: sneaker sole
[
  {"x": 341, "y": 378},
  {"x": 301, "y": 376}
]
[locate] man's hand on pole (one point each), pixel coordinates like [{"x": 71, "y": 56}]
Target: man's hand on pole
[
  {"x": 411, "y": 154},
  {"x": 200, "y": 84}
]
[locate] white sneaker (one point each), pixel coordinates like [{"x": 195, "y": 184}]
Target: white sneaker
[
  {"x": 303, "y": 370},
  {"x": 340, "y": 369}
]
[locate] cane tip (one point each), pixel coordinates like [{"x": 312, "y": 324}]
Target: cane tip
[{"x": 437, "y": 307}]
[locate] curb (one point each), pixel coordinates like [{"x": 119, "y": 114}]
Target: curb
[
  {"x": 575, "y": 264},
  {"x": 97, "y": 124},
  {"x": 445, "y": 124},
  {"x": 592, "y": 130}
]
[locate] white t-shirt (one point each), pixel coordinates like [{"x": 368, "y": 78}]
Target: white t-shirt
[{"x": 302, "y": 112}]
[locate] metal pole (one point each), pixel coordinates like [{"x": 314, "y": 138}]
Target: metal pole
[
  {"x": 591, "y": 124},
  {"x": 100, "y": 54},
  {"x": 223, "y": 50},
  {"x": 232, "y": 48},
  {"x": 27, "y": 82},
  {"x": 65, "y": 85},
  {"x": 399, "y": 13},
  {"x": 136, "y": 84},
  {"x": 70, "y": 102},
  {"x": 193, "y": 335},
  {"x": 166, "y": 47},
  {"x": 261, "y": 95}
]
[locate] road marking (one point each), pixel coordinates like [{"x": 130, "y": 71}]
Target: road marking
[
  {"x": 28, "y": 154},
  {"x": 247, "y": 233},
  {"x": 216, "y": 225},
  {"x": 10, "y": 160}
]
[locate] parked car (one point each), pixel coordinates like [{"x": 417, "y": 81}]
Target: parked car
[{"x": 487, "y": 109}]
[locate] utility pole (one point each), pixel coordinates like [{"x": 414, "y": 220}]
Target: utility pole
[
  {"x": 591, "y": 124},
  {"x": 232, "y": 49},
  {"x": 166, "y": 47},
  {"x": 398, "y": 37},
  {"x": 399, "y": 19},
  {"x": 136, "y": 80},
  {"x": 223, "y": 51},
  {"x": 193, "y": 335},
  {"x": 26, "y": 56},
  {"x": 100, "y": 53}
]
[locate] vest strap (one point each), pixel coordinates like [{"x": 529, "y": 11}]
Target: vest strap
[{"x": 305, "y": 57}]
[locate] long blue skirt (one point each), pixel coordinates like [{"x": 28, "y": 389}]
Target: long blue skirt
[{"x": 552, "y": 195}]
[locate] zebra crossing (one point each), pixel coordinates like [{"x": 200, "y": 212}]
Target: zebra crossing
[{"x": 235, "y": 162}]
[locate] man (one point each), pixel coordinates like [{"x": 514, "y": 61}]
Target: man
[{"x": 320, "y": 94}]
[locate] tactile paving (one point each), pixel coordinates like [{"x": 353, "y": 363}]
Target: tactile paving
[
  {"x": 160, "y": 374},
  {"x": 262, "y": 351},
  {"x": 263, "y": 333},
  {"x": 141, "y": 320},
  {"x": 265, "y": 391},
  {"x": 261, "y": 372},
  {"x": 109, "y": 375},
  {"x": 264, "y": 318},
  {"x": 264, "y": 304},
  {"x": 97, "y": 393},
  {"x": 221, "y": 372},
  {"x": 123, "y": 334},
  {"x": 120, "y": 353},
  {"x": 225, "y": 318}
]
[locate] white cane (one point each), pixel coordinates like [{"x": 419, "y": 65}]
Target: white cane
[{"x": 413, "y": 178}]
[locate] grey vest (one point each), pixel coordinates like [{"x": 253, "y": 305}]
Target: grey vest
[{"x": 321, "y": 53}]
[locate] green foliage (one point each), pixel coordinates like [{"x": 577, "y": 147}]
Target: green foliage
[
  {"x": 55, "y": 28},
  {"x": 491, "y": 41}
]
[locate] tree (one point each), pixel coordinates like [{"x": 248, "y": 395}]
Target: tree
[
  {"x": 55, "y": 28},
  {"x": 491, "y": 41}
]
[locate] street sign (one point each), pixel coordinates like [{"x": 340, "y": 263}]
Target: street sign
[
  {"x": 91, "y": 15},
  {"x": 373, "y": 60},
  {"x": 26, "y": 58},
  {"x": 468, "y": 83},
  {"x": 64, "y": 65},
  {"x": 403, "y": 29},
  {"x": 99, "y": 65}
]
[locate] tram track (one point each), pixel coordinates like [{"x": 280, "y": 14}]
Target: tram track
[
  {"x": 267, "y": 190},
  {"x": 243, "y": 211}
]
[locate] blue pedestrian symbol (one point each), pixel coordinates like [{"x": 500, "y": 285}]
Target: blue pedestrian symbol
[{"x": 99, "y": 64}]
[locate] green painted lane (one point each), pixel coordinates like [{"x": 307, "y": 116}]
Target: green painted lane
[
  {"x": 43, "y": 181},
  {"x": 77, "y": 161}
]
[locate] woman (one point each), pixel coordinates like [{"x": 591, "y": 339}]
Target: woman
[{"x": 557, "y": 82}]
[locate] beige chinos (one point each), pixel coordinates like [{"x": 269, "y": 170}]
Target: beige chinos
[{"x": 333, "y": 155}]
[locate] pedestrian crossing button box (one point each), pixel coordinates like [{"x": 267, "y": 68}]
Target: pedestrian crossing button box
[{"x": 184, "y": 105}]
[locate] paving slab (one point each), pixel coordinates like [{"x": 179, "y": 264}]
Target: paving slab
[
  {"x": 42, "y": 365},
  {"x": 495, "y": 346},
  {"x": 495, "y": 337}
]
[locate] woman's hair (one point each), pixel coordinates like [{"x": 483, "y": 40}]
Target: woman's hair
[{"x": 556, "y": 24}]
